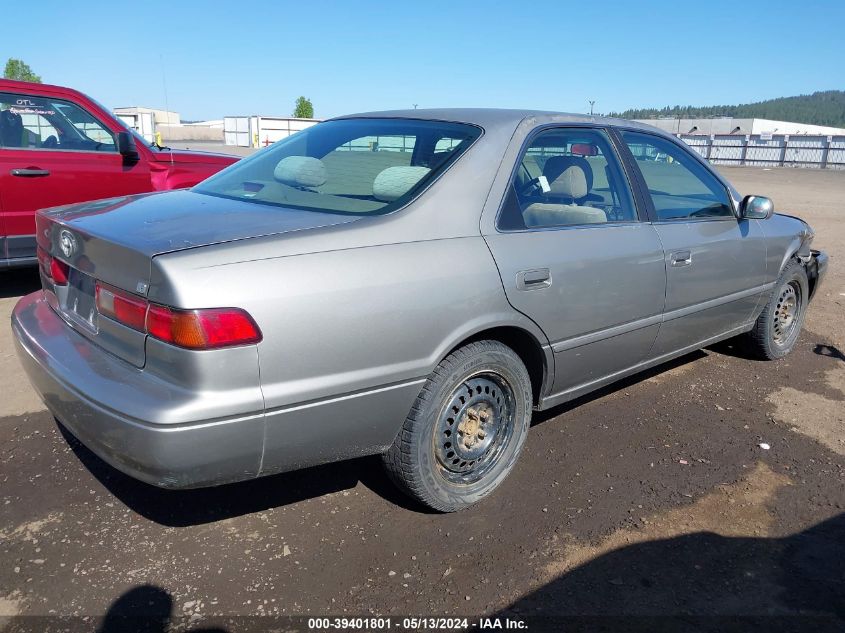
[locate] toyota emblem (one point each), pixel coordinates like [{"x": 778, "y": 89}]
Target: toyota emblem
[{"x": 67, "y": 243}]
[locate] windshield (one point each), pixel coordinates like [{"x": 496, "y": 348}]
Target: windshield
[{"x": 355, "y": 166}]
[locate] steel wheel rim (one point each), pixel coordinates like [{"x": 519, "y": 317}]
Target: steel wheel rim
[
  {"x": 474, "y": 428},
  {"x": 787, "y": 313}
]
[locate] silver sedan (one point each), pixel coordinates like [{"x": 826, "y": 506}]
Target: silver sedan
[{"x": 410, "y": 283}]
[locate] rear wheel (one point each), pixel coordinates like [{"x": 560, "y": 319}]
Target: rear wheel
[
  {"x": 466, "y": 428},
  {"x": 779, "y": 324}
]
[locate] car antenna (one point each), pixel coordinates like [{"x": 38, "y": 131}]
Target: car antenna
[{"x": 166, "y": 103}]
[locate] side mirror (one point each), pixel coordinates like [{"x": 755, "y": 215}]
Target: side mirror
[
  {"x": 756, "y": 208},
  {"x": 126, "y": 146}
]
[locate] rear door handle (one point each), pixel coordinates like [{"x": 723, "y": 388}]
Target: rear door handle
[
  {"x": 30, "y": 172},
  {"x": 533, "y": 279},
  {"x": 681, "y": 258}
]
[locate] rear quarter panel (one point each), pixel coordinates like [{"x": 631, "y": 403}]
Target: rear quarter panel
[{"x": 349, "y": 335}]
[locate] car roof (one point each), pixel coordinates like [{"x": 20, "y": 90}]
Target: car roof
[
  {"x": 493, "y": 117},
  {"x": 49, "y": 89}
]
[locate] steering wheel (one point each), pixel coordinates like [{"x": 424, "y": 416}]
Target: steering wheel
[{"x": 50, "y": 142}]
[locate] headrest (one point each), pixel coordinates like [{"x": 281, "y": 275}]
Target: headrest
[
  {"x": 11, "y": 128},
  {"x": 569, "y": 176},
  {"x": 7, "y": 117},
  {"x": 394, "y": 182},
  {"x": 300, "y": 171}
]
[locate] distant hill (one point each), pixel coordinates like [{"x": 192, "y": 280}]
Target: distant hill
[{"x": 819, "y": 108}]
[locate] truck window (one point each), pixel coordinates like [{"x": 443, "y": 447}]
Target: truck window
[{"x": 40, "y": 123}]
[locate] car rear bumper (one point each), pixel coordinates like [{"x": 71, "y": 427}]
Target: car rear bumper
[
  {"x": 66, "y": 368},
  {"x": 816, "y": 269}
]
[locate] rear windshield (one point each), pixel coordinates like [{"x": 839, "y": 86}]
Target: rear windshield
[{"x": 353, "y": 166}]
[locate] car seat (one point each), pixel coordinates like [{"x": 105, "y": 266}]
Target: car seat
[
  {"x": 569, "y": 179},
  {"x": 11, "y": 129}
]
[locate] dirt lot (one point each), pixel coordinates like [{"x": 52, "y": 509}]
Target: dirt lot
[{"x": 652, "y": 497}]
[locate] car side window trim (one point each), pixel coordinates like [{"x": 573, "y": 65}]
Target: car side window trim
[
  {"x": 640, "y": 209},
  {"x": 642, "y": 186}
]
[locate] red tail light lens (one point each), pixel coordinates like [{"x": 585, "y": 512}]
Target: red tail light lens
[
  {"x": 53, "y": 268},
  {"x": 59, "y": 271},
  {"x": 125, "y": 308},
  {"x": 202, "y": 329},
  {"x": 211, "y": 328}
]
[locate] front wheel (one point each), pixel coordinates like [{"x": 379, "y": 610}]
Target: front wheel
[
  {"x": 466, "y": 428},
  {"x": 779, "y": 324}
]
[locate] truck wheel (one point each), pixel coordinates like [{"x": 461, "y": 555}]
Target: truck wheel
[
  {"x": 466, "y": 428},
  {"x": 779, "y": 324}
]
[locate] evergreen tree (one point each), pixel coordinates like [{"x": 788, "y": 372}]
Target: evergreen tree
[{"x": 820, "y": 108}]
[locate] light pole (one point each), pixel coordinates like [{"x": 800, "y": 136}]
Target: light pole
[{"x": 592, "y": 103}]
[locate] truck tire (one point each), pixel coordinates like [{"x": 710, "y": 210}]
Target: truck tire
[
  {"x": 466, "y": 428},
  {"x": 777, "y": 328}
]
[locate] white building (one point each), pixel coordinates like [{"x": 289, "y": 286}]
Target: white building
[
  {"x": 730, "y": 125},
  {"x": 145, "y": 120},
  {"x": 160, "y": 117},
  {"x": 260, "y": 131}
]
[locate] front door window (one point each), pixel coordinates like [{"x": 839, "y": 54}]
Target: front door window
[{"x": 42, "y": 123}]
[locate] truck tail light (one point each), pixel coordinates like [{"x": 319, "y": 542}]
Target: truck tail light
[
  {"x": 53, "y": 268},
  {"x": 210, "y": 328},
  {"x": 202, "y": 329}
]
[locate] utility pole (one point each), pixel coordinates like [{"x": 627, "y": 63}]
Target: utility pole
[
  {"x": 415, "y": 105},
  {"x": 592, "y": 103}
]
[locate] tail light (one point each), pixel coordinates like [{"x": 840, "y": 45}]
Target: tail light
[
  {"x": 202, "y": 329},
  {"x": 210, "y": 328},
  {"x": 125, "y": 308},
  {"x": 53, "y": 268}
]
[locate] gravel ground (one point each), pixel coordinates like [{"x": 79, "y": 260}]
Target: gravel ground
[{"x": 648, "y": 498}]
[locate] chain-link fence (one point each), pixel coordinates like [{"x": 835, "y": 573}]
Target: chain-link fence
[{"x": 766, "y": 150}]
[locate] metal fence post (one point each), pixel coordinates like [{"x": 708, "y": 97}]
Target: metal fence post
[
  {"x": 744, "y": 150},
  {"x": 783, "y": 150},
  {"x": 826, "y": 151},
  {"x": 709, "y": 147}
]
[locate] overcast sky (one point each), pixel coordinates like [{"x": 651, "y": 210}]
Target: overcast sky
[{"x": 238, "y": 58}]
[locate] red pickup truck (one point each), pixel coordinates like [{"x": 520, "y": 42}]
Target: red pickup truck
[{"x": 58, "y": 146}]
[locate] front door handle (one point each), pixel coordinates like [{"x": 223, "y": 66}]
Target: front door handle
[
  {"x": 30, "y": 172},
  {"x": 681, "y": 258},
  {"x": 533, "y": 279}
]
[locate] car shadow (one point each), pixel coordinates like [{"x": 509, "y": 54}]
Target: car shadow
[
  {"x": 697, "y": 583},
  {"x": 626, "y": 383},
  {"x": 19, "y": 282},
  {"x": 701, "y": 582},
  {"x": 831, "y": 351},
  {"x": 181, "y": 508},
  {"x": 735, "y": 348}
]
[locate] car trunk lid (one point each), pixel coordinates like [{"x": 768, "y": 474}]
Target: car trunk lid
[{"x": 114, "y": 241}]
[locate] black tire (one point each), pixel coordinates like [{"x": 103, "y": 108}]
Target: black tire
[
  {"x": 449, "y": 466},
  {"x": 779, "y": 324}
]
